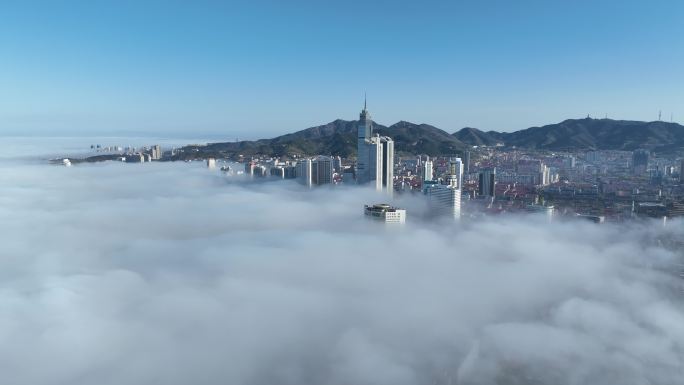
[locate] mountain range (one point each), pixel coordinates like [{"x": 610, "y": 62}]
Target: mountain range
[{"x": 339, "y": 138}]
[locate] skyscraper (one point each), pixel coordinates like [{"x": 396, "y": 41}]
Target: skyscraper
[
  {"x": 375, "y": 155},
  {"x": 337, "y": 164},
  {"x": 445, "y": 199},
  {"x": 387, "y": 164},
  {"x": 427, "y": 170},
  {"x": 249, "y": 167},
  {"x": 156, "y": 152},
  {"x": 456, "y": 171},
  {"x": 466, "y": 162},
  {"x": 640, "y": 162},
  {"x": 363, "y": 156},
  {"x": 322, "y": 170},
  {"x": 304, "y": 171},
  {"x": 487, "y": 182}
]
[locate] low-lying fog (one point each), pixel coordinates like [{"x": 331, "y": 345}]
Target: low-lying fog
[{"x": 169, "y": 273}]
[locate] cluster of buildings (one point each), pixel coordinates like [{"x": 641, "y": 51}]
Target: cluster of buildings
[
  {"x": 318, "y": 170},
  {"x": 375, "y": 163},
  {"x": 146, "y": 154},
  {"x": 375, "y": 166},
  {"x": 375, "y": 156},
  {"x": 131, "y": 154}
]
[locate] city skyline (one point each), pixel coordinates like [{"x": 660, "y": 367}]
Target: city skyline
[
  {"x": 189, "y": 192},
  {"x": 247, "y": 70}
]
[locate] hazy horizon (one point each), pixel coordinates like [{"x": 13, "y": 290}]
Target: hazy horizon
[{"x": 228, "y": 135}]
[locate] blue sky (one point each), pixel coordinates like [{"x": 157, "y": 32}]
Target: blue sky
[{"x": 254, "y": 69}]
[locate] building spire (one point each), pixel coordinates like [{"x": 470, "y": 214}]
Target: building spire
[{"x": 364, "y": 100}]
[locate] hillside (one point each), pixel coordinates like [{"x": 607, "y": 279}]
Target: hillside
[
  {"x": 475, "y": 137},
  {"x": 339, "y": 138},
  {"x": 587, "y": 134}
]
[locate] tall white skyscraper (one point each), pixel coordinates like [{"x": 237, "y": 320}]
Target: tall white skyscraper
[
  {"x": 375, "y": 155},
  {"x": 445, "y": 199},
  {"x": 456, "y": 169},
  {"x": 387, "y": 164},
  {"x": 427, "y": 170},
  {"x": 337, "y": 164},
  {"x": 156, "y": 152},
  {"x": 304, "y": 171}
]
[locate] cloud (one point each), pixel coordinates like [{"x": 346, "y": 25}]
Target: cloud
[{"x": 172, "y": 274}]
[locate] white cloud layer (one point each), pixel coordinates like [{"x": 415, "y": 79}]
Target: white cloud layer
[{"x": 169, "y": 274}]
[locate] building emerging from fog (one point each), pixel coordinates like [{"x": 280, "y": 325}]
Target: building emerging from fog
[
  {"x": 303, "y": 171},
  {"x": 427, "y": 170},
  {"x": 322, "y": 170},
  {"x": 375, "y": 155},
  {"x": 640, "y": 162},
  {"x": 385, "y": 213},
  {"x": 445, "y": 199},
  {"x": 156, "y": 152},
  {"x": 487, "y": 182},
  {"x": 317, "y": 171}
]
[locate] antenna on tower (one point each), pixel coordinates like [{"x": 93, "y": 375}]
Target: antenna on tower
[{"x": 660, "y": 115}]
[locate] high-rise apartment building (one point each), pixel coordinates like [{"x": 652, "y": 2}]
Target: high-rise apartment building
[
  {"x": 250, "y": 167},
  {"x": 337, "y": 164},
  {"x": 466, "y": 162},
  {"x": 640, "y": 162},
  {"x": 374, "y": 162},
  {"x": 487, "y": 183},
  {"x": 387, "y": 164},
  {"x": 427, "y": 170},
  {"x": 316, "y": 171},
  {"x": 304, "y": 171},
  {"x": 156, "y": 152},
  {"x": 322, "y": 170}
]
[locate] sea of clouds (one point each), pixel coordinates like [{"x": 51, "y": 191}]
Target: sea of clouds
[{"x": 169, "y": 273}]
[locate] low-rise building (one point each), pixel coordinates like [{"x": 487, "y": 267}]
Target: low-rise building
[{"x": 385, "y": 213}]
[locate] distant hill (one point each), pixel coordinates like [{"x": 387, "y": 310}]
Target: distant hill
[
  {"x": 586, "y": 134},
  {"x": 475, "y": 137},
  {"x": 410, "y": 138},
  {"x": 339, "y": 138}
]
